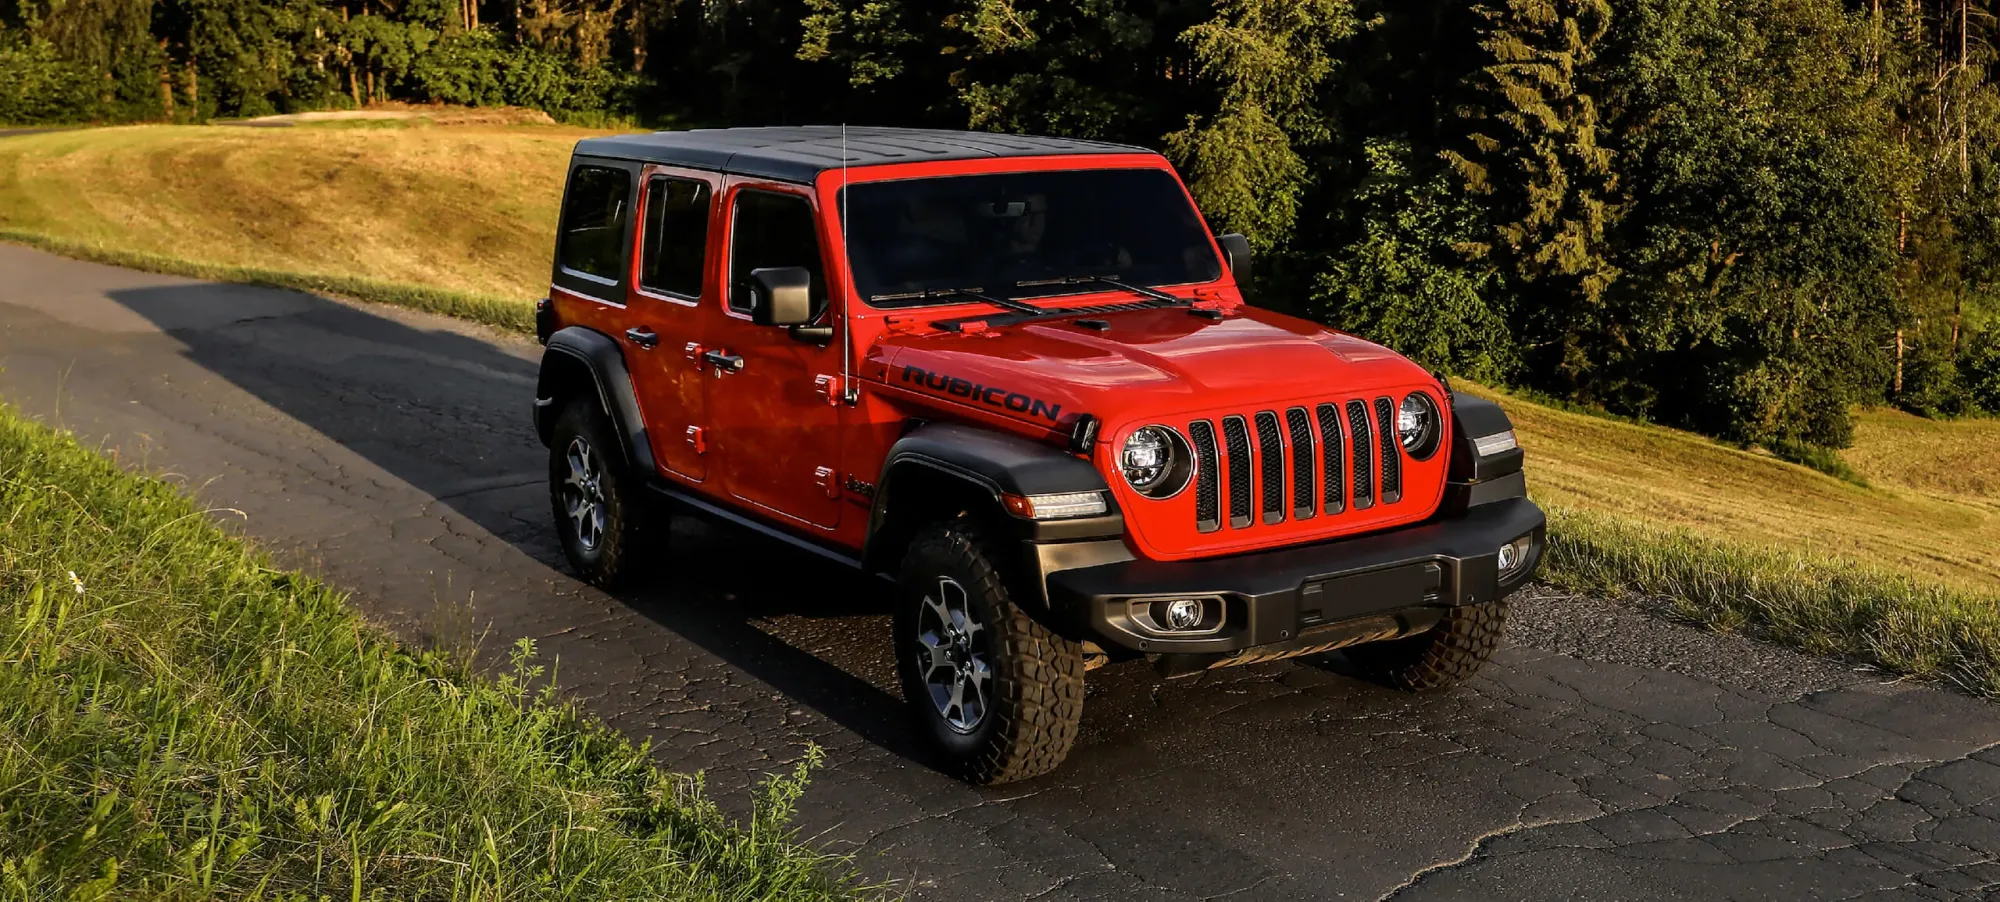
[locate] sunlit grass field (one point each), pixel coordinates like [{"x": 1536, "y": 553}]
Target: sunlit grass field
[
  {"x": 461, "y": 208},
  {"x": 460, "y": 219},
  {"x": 1931, "y": 506}
]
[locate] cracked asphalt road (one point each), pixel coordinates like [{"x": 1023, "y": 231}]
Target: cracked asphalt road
[{"x": 1604, "y": 754}]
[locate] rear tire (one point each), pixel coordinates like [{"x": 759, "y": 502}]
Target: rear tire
[
  {"x": 599, "y": 511},
  {"x": 1445, "y": 656},
  {"x": 999, "y": 693}
]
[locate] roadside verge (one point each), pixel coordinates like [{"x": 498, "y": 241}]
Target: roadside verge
[
  {"x": 178, "y": 718},
  {"x": 513, "y": 316},
  {"x": 1825, "y": 605}
]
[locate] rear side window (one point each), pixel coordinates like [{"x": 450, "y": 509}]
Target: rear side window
[
  {"x": 772, "y": 229},
  {"x": 676, "y": 236},
  {"x": 593, "y": 222}
]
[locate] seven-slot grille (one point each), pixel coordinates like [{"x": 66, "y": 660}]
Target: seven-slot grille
[{"x": 1352, "y": 461}]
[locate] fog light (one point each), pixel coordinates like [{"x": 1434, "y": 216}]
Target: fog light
[
  {"x": 1183, "y": 614},
  {"x": 1514, "y": 555}
]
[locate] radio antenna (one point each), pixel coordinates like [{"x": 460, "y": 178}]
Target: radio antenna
[{"x": 849, "y": 392}]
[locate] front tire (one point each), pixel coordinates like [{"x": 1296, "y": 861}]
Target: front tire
[
  {"x": 599, "y": 513},
  {"x": 1442, "y": 657},
  {"x": 1000, "y": 694}
]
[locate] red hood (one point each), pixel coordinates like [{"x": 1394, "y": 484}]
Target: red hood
[{"x": 1150, "y": 363}]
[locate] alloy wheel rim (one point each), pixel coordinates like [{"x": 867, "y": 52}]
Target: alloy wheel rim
[
  {"x": 583, "y": 493},
  {"x": 952, "y": 656}
]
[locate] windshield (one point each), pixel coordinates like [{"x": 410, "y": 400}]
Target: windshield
[{"x": 1000, "y": 234}]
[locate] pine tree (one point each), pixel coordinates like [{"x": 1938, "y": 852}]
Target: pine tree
[{"x": 1532, "y": 147}]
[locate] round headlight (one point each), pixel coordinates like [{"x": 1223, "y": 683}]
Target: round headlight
[
  {"x": 1156, "y": 461},
  {"x": 1417, "y": 425}
]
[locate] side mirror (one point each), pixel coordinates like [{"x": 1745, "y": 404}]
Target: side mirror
[
  {"x": 780, "y": 296},
  {"x": 1236, "y": 249}
]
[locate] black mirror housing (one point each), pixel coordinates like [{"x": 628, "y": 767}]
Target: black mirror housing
[
  {"x": 781, "y": 296},
  {"x": 1236, "y": 250}
]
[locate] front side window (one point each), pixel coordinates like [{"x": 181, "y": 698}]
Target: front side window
[
  {"x": 772, "y": 229},
  {"x": 676, "y": 237},
  {"x": 593, "y": 222},
  {"x": 1023, "y": 234}
]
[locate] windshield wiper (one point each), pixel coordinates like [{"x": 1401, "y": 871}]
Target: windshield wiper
[
  {"x": 1112, "y": 280},
  {"x": 973, "y": 293}
]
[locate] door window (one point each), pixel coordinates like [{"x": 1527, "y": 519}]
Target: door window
[
  {"x": 593, "y": 222},
  {"x": 676, "y": 236},
  {"x": 772, "y": 229}
]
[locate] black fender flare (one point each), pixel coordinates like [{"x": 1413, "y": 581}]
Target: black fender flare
[
  {"x": 1472, "y": 479},
  {"x": 987, "y": 464},
  {"x": 597, "y": 354}
]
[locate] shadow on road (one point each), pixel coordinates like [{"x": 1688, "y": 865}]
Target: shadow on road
[{"x": 449, "y": 415}]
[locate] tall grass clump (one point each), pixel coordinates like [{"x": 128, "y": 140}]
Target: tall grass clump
[
  {"x": 180, "y": 720},
  {"x": 1818, "y": 457},
  {"x": 1822, "y": 604}
]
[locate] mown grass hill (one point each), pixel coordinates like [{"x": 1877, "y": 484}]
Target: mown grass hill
[{"x": 469, "y": 208}]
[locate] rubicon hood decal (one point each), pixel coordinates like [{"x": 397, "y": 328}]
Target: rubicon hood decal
[
  {"x": 1149, "y": 364},
  {"x": 1018, "y": 402}
]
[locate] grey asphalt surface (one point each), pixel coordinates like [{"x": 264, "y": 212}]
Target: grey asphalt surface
[{"x": 1604, "y": 754}]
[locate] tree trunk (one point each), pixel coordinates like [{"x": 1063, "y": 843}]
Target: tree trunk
[
  {"x": 1964, "y": 101},
  {"x": 1957, "y": 316},
  {"x": 371, "y": 84},
  {"x": 639, "y": 35},
  {"x": 1875, "y": 39},
  {"x": 353, "y": 82},
  {"x": 166, "y": 82},
  {"x": 194, "y": 88},
  {"x": 1899, "y": 362}
]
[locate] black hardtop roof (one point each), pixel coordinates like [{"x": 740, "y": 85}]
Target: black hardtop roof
[{"x": 801, "y": 153}]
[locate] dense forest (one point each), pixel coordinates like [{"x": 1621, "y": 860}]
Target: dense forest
[{"x": 1739, "y": 216}]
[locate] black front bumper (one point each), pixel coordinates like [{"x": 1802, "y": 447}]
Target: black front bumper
[{"x": 1273, "y": 596}]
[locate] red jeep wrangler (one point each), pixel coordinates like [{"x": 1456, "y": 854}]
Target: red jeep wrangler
[{"x": 1016, "y": 377}]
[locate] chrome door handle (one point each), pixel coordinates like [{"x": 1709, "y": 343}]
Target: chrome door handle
[
  {"x": 724, "y": 362},
  {"x": 645, "y": 338}
]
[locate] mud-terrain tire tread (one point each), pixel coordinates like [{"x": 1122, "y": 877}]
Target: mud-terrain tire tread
[
  {"x": 1445, "y": 656},
  {"x": 1038, "y": 673},
  {"x": 621, "y": 560}
]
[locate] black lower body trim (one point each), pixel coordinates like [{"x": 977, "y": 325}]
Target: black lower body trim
[
  {"x": 688, "y": 503},
  {"x": 1274, "y": 596}
]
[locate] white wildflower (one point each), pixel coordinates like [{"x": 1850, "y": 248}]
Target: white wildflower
[{"x": 76, "y": 581}]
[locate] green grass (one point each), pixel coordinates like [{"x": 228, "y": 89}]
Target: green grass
[
  {"x": 1817, "y": 457},
  {"x": 181, "y": 720},
  {"x": 1820, "y": 603}
]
